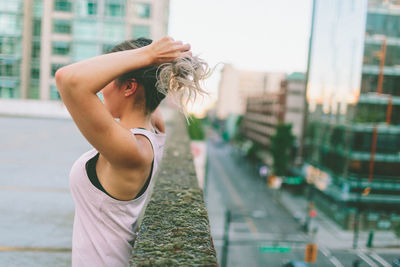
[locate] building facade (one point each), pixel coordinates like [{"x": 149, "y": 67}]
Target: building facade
[
  {"x": 236, "y": 85},
  {"x": 352, "y": 144},
  {"x": 39, "y": 36},
  {"x": 265, "y": 110}
]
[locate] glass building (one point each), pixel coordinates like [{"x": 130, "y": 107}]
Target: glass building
[
  {"x": 352, "y": 144},
  {"x": 10, "y": 47},
  {"x": 39, "y": 36}
]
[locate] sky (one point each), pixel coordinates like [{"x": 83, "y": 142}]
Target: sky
[{"x": 259, "y": 35}]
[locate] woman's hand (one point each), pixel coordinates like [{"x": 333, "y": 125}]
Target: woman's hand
[{"x": 167, "y": 49}]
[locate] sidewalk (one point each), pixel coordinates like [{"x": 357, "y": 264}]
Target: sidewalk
[{"x": 329, "y": 234}]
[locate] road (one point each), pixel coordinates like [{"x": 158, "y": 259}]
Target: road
[{"x": 258, "y": 216}]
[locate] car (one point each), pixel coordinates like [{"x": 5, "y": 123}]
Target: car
[{"x": 295, "y": 264}]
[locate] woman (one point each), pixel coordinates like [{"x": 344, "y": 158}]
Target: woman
[{"x": 109, "y": 183}]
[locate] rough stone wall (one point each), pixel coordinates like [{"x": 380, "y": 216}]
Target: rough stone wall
[{"x": 175, "y": 229}]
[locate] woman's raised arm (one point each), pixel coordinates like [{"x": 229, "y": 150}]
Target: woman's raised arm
[{"x": 79, "y": 82}]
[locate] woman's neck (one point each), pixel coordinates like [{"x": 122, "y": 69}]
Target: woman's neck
[{"x": 136, "y": 119}]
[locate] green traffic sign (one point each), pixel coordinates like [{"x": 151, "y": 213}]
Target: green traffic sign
[
  {"x": 293, "y": 180},
  {"x": 275, "y": 249}
]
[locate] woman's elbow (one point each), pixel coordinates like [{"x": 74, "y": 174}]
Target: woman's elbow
[{"x": 64, "y": 79}]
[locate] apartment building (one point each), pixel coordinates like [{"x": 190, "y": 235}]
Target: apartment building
[{"x": 39, "y": 36}]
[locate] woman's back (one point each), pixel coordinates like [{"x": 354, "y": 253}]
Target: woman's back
[{"x": 105, "y": 227}]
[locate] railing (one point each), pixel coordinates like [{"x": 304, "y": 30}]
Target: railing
[{"x": 174, "y": 230}]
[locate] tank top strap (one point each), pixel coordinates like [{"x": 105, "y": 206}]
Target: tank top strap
[
  {"x": 157, "y": 141},
  {"x": 149, "y": 135}
]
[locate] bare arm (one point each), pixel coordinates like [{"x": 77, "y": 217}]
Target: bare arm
[
  {"x": 157, "y": 120},
  {"x": 78, "y": 84}
]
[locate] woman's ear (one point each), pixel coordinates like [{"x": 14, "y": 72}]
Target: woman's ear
[{"x": 131, "y": 86}]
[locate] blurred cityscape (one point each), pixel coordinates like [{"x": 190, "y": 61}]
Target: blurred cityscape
[{"x": 299, "y": 169}]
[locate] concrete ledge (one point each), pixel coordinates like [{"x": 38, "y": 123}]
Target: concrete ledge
[{"x": 175, "y": 229}]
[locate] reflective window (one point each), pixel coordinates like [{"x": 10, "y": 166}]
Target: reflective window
[
  {"x": 33, "y": 91},
  {"x": 7, "y": 92},
  {"x": 141, "y": 31},
  {"x": 54, "y": 68},
  {"x": 385, "y": 143},
  {"x": 367, "y": 113},
  {"x": 84, "y": 51},
  {"x": 10, "y": 24},
  {"x": 37, "y": 8},
  {"x": 114, "y": 8},
  {"x": 391, "y": 84},
  {"x": 54, "y": 95},
  {"x": 62, "y": 26},
  {"x": 10, "y": 46},
  {"x": 142, "y": 10},
  {"x": 114, "y": 31},
  {"x": 106, "y": 48},
  {"x": 9, "y": 67},
  {"x": 61, "y": 48},
  {"x": 86, "y": 30},
  {"x": 382, "y": 170},
  {"x": 37, "y": 25},
  {"x": 36, "y": 49},
  {"x": 87, "y": 8},
  {"x": 63, "y": 5},
  {"x": 13, "y": 6},
  {"x": 372, "y": 52},
  {"x": 35, "y": 73},
  {"x": 385, "y": 24}
]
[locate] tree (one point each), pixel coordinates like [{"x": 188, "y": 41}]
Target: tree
[
  {"x": 281, "y": 145},
  {"x": 195, "y": 128}
]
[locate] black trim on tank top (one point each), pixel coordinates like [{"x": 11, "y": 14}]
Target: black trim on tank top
[{"x": 94, "y": 179}]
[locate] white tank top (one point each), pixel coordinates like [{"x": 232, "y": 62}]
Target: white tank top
[{"x": 105, "y": 228}]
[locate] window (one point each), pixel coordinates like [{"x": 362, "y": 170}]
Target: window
[
  {"x": 85, "y": 30},
  {"x": 6, "y": 92},
  {"x": 106, "y": 48},
  {"x": 92, "y": 8},
  {"x": 37, "y": 24},
  {"x": 385, "y": 143},
  {"x": 141, "y": 31},
  {"x": 142, "y": 10},
  {"x": 9, "y": 45},
  {"x": 61, "y": 48},
  {"x": 37, "y": 8},
  {"x": 114, "y": 32},
  {"x": 87, "y": 8},
  {"x": 61, "y": 26},
  {"x": 35, "y": 73},
  {"x": 35, "y": 49},
  {"x": 383, "y": 24},
  {"x": 54, "y": 93},
  {"x": 114, "y": 8},
  {"x": 62, "y": 5},
  {"x": 54, "y": 68},
  {"x": 84, "y": 51},
  {"x": 10, "y": 24},
  {"x": 13, "y": 6},
  {"x": 9, "y": 67},
  {"x": 33, "y": 91}
]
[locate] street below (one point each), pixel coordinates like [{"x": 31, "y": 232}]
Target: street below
[{"x": 261, "y": 231}]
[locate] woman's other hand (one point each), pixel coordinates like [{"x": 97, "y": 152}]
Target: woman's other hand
[{"x": 167, "y": 49}]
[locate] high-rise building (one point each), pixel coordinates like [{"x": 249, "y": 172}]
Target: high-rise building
[
  {"x": 352, "y": 146},
  {"x": 39, "y": 36}
]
